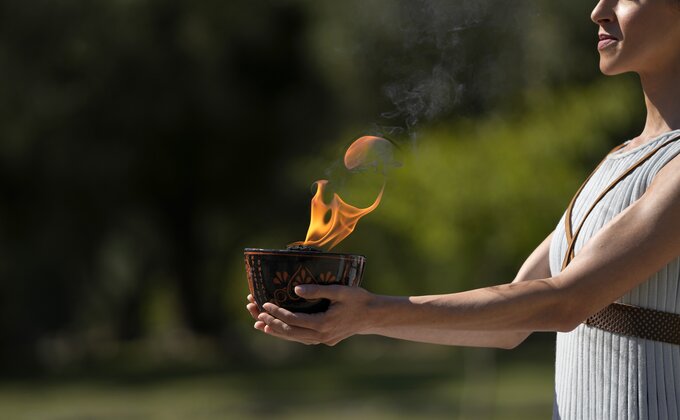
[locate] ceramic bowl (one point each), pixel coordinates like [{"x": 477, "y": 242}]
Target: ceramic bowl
[{"x": 274, "y": 273}]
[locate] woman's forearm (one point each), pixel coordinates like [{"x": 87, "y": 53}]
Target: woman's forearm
[
  {"x": 517, "y": 307},
  {"x": 497, "y": 339},
  {"x": 535, "y": 267}
]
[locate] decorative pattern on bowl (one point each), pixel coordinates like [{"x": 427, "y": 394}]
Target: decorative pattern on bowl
[{"x": 273, "y": 274}]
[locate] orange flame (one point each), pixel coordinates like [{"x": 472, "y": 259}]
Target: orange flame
[
  {"x": 330, "y": 231},
  {"x": 343, "y": 218},
  {"x": 359, "y": 154}
]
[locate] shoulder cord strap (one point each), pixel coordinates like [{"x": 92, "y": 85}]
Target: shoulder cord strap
[{"x": 571, "y": 238}]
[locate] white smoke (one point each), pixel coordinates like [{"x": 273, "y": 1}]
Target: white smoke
[{"x": 426, "y": 86}]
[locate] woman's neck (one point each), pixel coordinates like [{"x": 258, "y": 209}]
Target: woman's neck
[{"x": 662, "y": 92}]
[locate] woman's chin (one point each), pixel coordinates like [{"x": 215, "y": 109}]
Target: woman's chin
[
  {"x": 607, "y": 72},
  {"x": 609, "y": 69}
]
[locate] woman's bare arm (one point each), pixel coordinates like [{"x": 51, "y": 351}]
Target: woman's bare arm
[
  {"x": 536, "y": 266},
  {"x": 624, "y": 253}
]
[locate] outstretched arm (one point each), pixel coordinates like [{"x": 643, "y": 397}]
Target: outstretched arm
[
  {"x": 624, "y": 253},
  {"x": 536, "y": 266}
]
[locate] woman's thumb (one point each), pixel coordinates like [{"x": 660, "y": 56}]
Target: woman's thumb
[{"x": 315, "y": 291}]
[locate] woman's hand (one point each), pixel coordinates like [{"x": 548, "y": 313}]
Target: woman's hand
[{"x": 346, "y": 316}]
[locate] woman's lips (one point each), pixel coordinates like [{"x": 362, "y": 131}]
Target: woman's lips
[{"x": 605, "y": 41}]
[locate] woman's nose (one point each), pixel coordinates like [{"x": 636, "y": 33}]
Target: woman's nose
[{"x": 603, "y": 12}]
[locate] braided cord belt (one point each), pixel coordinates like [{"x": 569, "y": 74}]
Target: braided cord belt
[{"x": 620, "y": 318}]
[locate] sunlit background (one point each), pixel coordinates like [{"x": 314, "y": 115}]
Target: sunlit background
[{"x": 144, "y": 144}]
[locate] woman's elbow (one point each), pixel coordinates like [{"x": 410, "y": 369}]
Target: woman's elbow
[
  {"x": 567, "y": 326},
  {"x": 512, "y": 341},
  {"x": 568, "y": 318},
  {"x": 510, "y": 345}
]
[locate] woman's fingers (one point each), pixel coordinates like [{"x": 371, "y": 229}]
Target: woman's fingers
[
  {"x": 283, "y": 330},
  {"x": 296, "y": 319},
  {"x": 288, "y": 317},
  {"x": 270, "y": 325},
  {"x": 260, "y": 325},
  {"x": 268, "y": 330},
  {"x": 315, "y": 291},
  {"x": 252, "y": 307}
]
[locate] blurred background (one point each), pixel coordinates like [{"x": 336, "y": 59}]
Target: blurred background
[{"x": 144, "y": 144}]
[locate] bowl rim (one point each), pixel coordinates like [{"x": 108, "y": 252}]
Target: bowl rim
[{"x": 300, "y": 252}]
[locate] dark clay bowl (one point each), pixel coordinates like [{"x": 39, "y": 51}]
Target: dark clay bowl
[{"x": 274, "y": 273}]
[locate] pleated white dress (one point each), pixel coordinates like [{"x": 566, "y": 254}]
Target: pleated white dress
[{"x": 601, "y": 375}]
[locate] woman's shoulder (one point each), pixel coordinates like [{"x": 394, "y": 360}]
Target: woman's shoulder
[{"x": 631, "y": 148}]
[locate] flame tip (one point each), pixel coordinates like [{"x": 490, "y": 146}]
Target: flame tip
[{"x": 330, "y": 231}]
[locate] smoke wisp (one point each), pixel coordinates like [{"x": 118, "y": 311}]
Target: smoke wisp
[{"x": 425, "y": 83}]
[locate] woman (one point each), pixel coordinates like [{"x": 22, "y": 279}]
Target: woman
[{"x": 619, "y": 241}]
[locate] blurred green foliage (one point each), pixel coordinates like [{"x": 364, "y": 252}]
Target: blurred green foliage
[
  {"x": 477, "y": 196},
  {"x": 144, "y": 144}
]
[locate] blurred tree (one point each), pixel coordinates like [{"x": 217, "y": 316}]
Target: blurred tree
[
  {"x": 144, "y": 144},
  {"x": 127, "y": 126}
]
